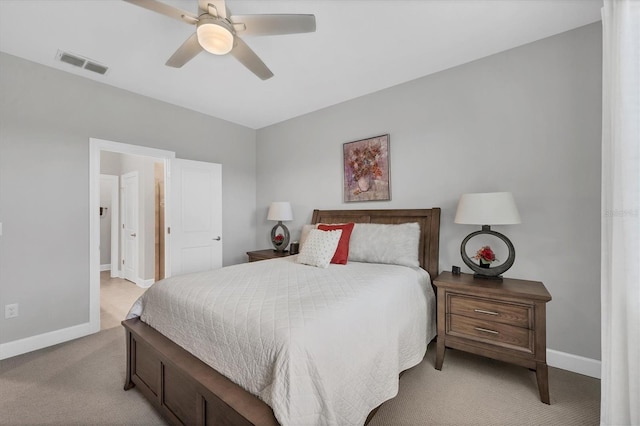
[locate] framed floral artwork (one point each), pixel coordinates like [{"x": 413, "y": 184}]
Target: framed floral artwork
[{"x": 366, "y": 170}]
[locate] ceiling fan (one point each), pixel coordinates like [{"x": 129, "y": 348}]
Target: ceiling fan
[{"x": 217, "y": 31}]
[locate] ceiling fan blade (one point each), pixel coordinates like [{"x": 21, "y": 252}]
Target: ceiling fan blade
[
  {"x": 220, "y": 6},
  {"x": 274, "y": 24},
  {"x": 185, "y": 53},
  {"x": 249, "y": 59},
  {"x": 166, "y": 10}
]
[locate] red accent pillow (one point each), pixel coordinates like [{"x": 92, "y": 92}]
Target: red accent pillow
[{"x": 342, "y": 252}]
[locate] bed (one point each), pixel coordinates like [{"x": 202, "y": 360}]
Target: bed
[{"x": 188, "y": 390}]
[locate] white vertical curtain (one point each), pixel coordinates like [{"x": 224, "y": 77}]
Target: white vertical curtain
[{"x": 621, "y": 213}]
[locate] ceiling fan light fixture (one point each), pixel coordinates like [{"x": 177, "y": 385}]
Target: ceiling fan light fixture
[{"x": 215, "y": 35}]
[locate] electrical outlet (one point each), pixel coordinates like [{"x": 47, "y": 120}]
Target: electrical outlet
[{"x": 11, "y": 311}]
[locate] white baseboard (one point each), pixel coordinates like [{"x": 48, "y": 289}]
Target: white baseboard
[
  {"x": 105, "y": 267},
  {"x": 28, "y": 344},
  {"x": 145, "y": 283},
  {"x": 575, "y": 363}
]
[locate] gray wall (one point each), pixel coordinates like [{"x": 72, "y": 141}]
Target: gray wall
[
  {"x": 46, "y": 120},
  {"x": 526, "y": 120},
  {"x": 105, "y": 223}
]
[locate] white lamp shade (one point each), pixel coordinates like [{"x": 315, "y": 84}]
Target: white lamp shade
[
  {"x": 280, "y": 210},
  {"x": 489, "y": 208}
]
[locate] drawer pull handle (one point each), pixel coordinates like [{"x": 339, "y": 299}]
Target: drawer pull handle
[
  {"x": 482, "y": 311},
  {"x": 486, "y": 330}
]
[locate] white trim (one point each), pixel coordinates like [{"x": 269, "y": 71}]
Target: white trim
[
  {"x": 95, "y": 147},
  {"x": 142, "y": 283},
  {"x": 168, "y": 238},
  {"x": 575, "y": 363},
  {"x": 28, "y": 344},
  {"x": 125, "y": 148},
  {"x": 105, "y": 267}
]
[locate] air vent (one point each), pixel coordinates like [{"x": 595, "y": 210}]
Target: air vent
[
  {"x": 81, "y": 62},
  {"x": 92, "y": 66},
  {"x": 72, "y": 60}
]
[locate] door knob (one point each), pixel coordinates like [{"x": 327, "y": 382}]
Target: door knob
[
  {"x": 133, "y": 235},
  {"x": 217, "y": 238}
]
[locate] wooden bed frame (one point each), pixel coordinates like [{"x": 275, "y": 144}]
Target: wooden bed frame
[{"x": 187, "y": 391}]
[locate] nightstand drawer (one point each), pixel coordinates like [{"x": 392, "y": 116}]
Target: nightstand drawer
[
  {"x": 507, "y": 336},
  {"x": 519, "y": 315}
]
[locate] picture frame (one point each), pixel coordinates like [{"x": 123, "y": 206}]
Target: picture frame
[{"x": 366, "y": 170}]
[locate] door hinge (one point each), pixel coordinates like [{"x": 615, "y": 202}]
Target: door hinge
[
  {"x": 123, "y": 261},
  {"x": 123, "y": 226},
  {"x": 168, "y": 230}
]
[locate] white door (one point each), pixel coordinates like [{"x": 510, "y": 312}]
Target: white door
[
  {"x": 130, "y": 225},
  {"x": 196, "y": 216}
]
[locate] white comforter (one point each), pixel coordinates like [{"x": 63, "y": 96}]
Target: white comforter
[{"x": 320, "y": 346}]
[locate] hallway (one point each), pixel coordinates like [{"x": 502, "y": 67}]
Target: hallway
[{"x": 116, "y": 298}]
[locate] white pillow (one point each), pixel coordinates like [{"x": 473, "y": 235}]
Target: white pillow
[
  {"x": 319, "y": 247},
  {"x": 305, "y": 233},
  {"x": 381, "y": 243}
]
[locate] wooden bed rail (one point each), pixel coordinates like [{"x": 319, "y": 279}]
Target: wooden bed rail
[{"x": 184, "y": 389}]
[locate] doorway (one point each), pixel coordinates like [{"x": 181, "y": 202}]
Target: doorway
[
  {"x": 140, "y": 234},
  {"x": 128, "y": 264},
  {"x": 98, "y": 148}
]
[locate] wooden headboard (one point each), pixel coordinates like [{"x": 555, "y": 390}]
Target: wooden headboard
[{"x": 429, "y": 220}]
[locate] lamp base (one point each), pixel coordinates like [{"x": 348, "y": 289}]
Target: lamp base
[
  {"x": 280, "y": 241},
  {"x": 483, "y": 272}
]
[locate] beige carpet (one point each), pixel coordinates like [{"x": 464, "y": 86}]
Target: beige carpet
[
  {"x": 80, "y": 383},
  {"x": 471, "y": 390}
]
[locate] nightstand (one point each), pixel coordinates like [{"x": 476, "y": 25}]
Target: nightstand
[
  {"x": 500, "y": 319},
  {"x": 254, "y": 256}
]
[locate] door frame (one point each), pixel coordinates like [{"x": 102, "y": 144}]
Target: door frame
[{"x": 96, "y": 146}]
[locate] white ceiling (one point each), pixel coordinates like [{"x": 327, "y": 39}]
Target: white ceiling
[{"x": 359, "y": 47}]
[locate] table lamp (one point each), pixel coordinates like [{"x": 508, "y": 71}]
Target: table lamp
[
  {"x": 280, "y": 211},
  {"x": 486, "y": 209}
]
